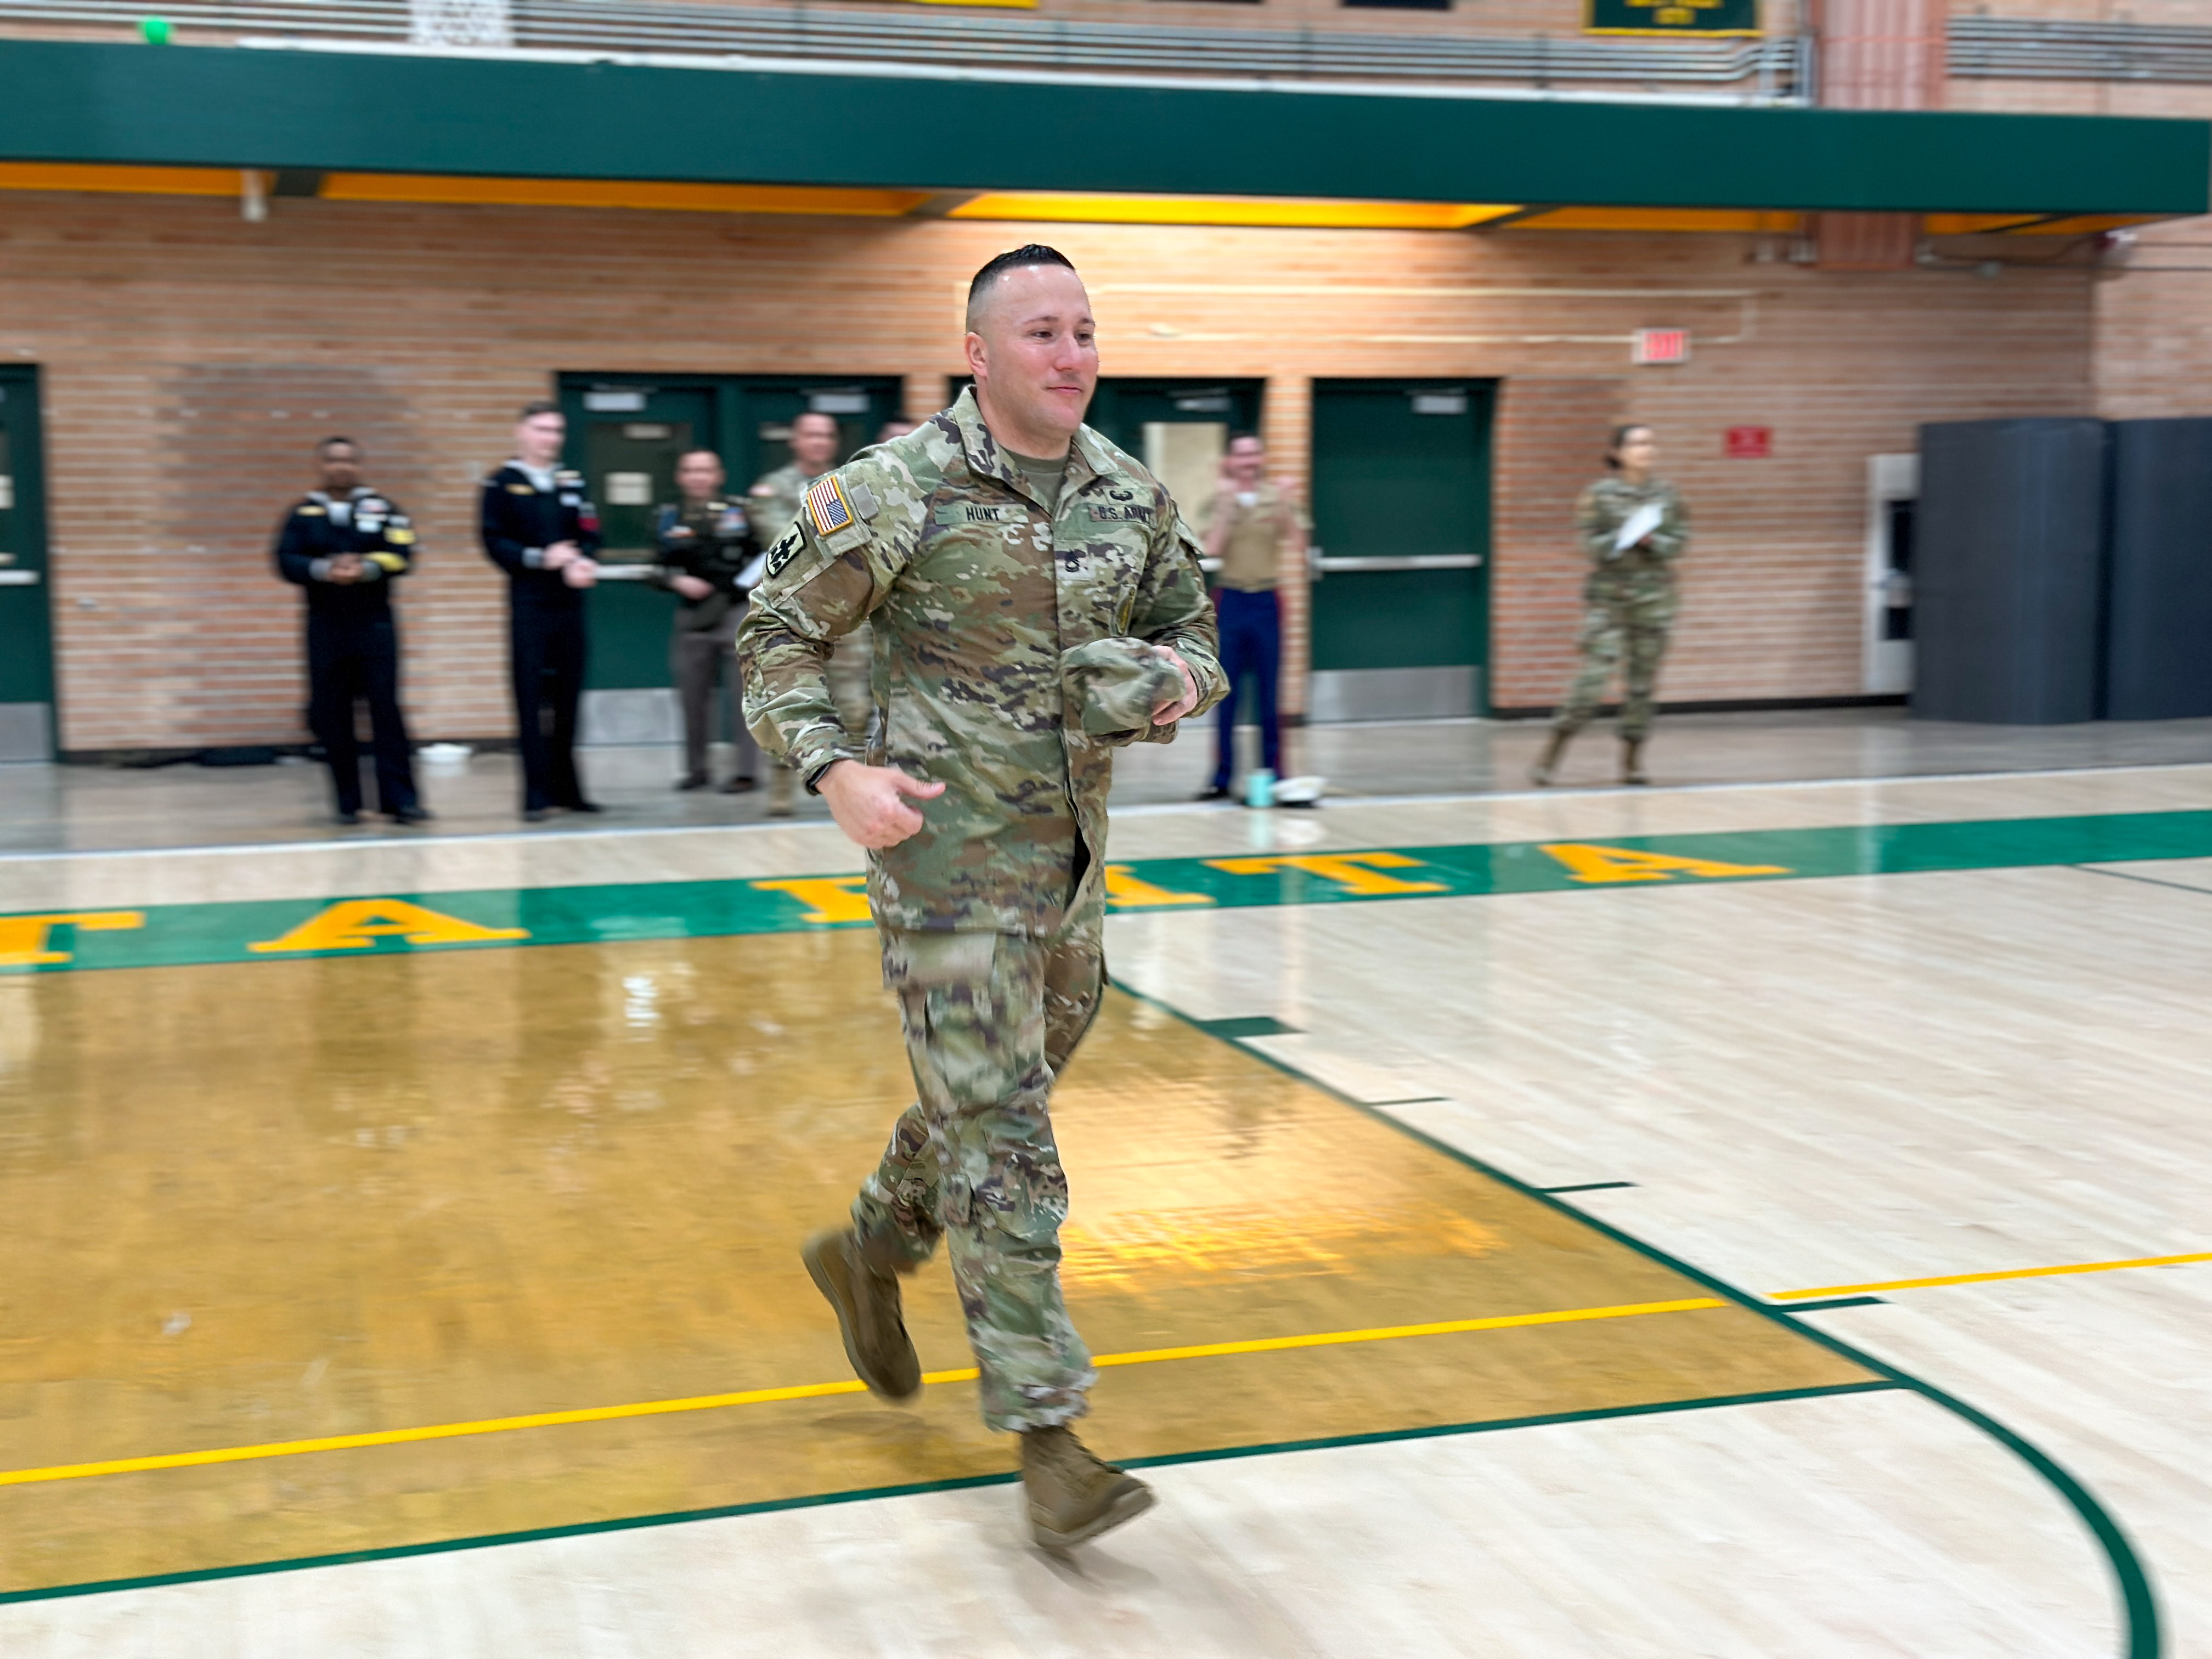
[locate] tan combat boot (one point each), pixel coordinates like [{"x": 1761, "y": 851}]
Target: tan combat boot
[
  {"x": 1540, "y": 773},
  {"x": 1631, "y": 761},
  {"x": 783, "y": 786},
  {"x": 866, "y": 1299},
  {"x": 1071, "y": 1495}
]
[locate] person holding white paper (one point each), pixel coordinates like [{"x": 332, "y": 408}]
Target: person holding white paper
[{"x": 1633, "y": 528}]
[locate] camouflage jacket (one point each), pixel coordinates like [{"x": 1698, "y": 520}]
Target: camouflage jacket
[
  {"x": 975, "y": 591},
  {"x": 1604, "y": 508},
  {"x": 774, "y": 501}
]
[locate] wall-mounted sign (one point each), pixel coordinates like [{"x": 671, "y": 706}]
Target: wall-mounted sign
[
  {"x": 1748, "y": 443},
  {"x": 1671, "y": 17},
  {"x": 1661, "y": 345}
]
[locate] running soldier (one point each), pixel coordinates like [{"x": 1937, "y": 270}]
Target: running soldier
[{"x": 1038, "y": 603}]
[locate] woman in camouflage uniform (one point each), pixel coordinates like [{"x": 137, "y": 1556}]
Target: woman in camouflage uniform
[{"x": 1633, "y": 527}]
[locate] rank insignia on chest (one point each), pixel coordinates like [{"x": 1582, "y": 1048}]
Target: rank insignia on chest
[
  {"x": 826, "y": 504},
  {"x": 520, "y": 490}
]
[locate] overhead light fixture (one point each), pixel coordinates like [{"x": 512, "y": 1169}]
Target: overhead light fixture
[{"x": 1289, "y": 211}]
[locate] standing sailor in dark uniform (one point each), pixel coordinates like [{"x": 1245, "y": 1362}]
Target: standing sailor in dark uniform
[
  {"x": 346, "y": 544},
  {"x": 539, "y": 527},
  {"x": 707, "y": 560}
]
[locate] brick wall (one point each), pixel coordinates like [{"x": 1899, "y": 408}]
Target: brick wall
[{"x": 191, "y": 360}]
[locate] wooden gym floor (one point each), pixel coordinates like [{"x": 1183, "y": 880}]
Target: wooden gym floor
[{"x": 403, "y": 1243}]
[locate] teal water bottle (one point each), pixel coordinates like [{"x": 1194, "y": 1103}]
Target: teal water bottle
[{"x": 1259, "y": 788}]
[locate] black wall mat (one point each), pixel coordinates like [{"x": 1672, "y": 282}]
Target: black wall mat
[
  {"x": 2008, "y": 579},
  {"x": 2158, "y": 652}
]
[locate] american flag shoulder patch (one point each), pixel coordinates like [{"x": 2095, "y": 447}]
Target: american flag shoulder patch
[{"x": 827, "y": 506}]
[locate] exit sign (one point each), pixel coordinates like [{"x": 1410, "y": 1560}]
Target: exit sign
[
  {"x": 1662, "y": 345},
  {"x": 1748, "y": 443}
]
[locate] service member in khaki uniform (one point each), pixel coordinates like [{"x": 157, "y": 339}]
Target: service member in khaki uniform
[
  {"x": 1037, "y": 603},
  {"x": 1252, "y": 526}
]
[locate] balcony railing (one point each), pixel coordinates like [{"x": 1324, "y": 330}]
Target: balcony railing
[{"x": 1759, "y": 71}]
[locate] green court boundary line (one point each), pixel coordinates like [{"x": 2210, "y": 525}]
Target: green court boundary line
[
  {"x": 923, "y": 1488},
  {"x": 2142, "y": 1632}
]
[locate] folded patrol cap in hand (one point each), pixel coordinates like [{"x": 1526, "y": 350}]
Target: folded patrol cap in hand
[{"x": 1121, "y": 682}]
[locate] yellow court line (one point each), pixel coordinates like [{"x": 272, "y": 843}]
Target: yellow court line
[
  {"x": 1387, "y": 1332},
  {"x": 1983, "y": 1279},
  {"x": 803, "y": 1391},
  {"x": 1145, "y": 1357}
]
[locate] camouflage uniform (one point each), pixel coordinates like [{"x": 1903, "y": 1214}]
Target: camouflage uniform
[
  {"x": 991, "y": 913},
  {"x": 1628, "y": 603},
  {"x": 776, "y": 498}
]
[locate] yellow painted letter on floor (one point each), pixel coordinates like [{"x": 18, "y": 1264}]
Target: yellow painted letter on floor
[
  {"x": 1615, "y": 864},
  {"x": 356, "y": 924},
  {"x": 827, "y": 898},
  {"x": 23, "y": 938},
  {"x": 1126, "y": 889},
  {"x": 1357, "y": 873}
]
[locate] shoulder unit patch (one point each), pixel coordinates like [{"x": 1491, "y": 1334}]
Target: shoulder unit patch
[{"x": 786, "y": 550}]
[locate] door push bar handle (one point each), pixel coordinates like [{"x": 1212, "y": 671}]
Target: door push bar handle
[{"x": 1408, "y": 562}]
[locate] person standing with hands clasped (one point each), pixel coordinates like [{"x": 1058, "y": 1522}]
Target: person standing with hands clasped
[
  {"x": 1633, "y": 527},
  {"x": 539, "y": 527},
  {"x": 1252, "y": 525},
  {"x": 346, "y": 545},
  {"x": 707, "y": 560},
  {"x": 1038, "y": 603}
]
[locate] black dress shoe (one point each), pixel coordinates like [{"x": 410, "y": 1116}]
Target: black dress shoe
[
  {"x": 581, "y": 805},
  {"x": 345, "y": 815},
  {"x": 413, "y": 815},
  {"x": 741, "y": 785},
  {"x": 691, "y": 781},
  {"x": 536, "y": 814},
  {"x": 1214, "y": 791}
]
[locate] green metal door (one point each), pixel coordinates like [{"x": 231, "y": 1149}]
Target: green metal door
[
  {"x": 628, "y": 455},
  {"x": 26, "y": 653},
  {"x": 1401, "y": 528},
  {"x": 626, "y": 433}
]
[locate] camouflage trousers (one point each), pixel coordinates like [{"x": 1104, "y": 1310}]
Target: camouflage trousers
[
  {"x": 990, "y": 1019},
  {"x": 1624, "y": 635}
]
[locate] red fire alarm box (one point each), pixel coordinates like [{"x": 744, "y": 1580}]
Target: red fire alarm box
[
  {"x": 1662, "y": 345},
  {"x": 1749, "y": 443}
]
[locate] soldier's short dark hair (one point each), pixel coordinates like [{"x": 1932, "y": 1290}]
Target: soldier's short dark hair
[
  {"x": 714, "y": 455},
  {"x": 537, "y": 406},
  {"x": 1030, "y": 253},
  {"x": 1238, "y": 437},
  {"x": 332, "y": 442},
  {"x": 1620, "y": 437}
]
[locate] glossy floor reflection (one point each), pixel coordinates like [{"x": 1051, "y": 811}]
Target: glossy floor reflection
[{"x": 293, "y": 1199}]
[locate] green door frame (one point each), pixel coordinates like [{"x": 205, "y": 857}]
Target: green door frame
[{"x": 29, "y": 722}]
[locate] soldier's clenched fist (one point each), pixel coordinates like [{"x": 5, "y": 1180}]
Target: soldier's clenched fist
[{"x": 868, "y": 802}]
